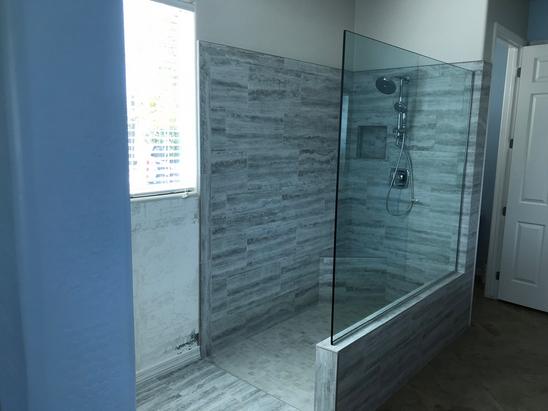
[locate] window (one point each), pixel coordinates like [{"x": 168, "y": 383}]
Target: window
[{"x": 161, "y": 97}]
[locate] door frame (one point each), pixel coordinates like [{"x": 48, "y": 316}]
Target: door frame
[{"x": 515, "y": 43}]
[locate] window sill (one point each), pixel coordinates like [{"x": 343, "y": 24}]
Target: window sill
[{"x": 164, "y": 196}]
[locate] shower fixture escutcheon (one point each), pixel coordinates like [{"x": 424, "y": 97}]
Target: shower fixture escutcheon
[{"x": 401, "y": 178}]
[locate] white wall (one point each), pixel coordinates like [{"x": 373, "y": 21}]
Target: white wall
[
  {"x": 307, "y": 30},
  {"x": 447, "y": 30},
  {"x": 165, "y": 278}
]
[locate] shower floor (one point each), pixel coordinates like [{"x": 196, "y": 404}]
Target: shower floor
[
  {"x": 272, "y": 369},
  {"x": 280, "y": 360}
]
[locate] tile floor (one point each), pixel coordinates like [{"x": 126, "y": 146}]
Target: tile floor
[
  {"x": 268, "y": 370},
  {"x": 203, "y": 386},
  {"x": 500, "y": 363},
  {"x": 280, "y": 360}
]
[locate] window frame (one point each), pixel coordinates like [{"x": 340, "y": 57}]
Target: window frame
[
  {"x": 184, "y": 192},
  {"x": 182, "y": 4}
]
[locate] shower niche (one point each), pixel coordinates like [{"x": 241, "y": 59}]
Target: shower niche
[{"x": 371, "y": 142}]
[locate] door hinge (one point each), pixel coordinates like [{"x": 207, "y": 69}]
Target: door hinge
[
  {"x": 511, "y": 143},
  {"x": 504, "y": 211},
  {"x": 519, "y": 72},
  {"x": 497, "y": 276}
]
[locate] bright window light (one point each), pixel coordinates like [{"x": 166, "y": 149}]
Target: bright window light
[{"x": 161, "y": 97}]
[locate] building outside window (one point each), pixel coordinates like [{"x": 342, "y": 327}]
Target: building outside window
[{"x": 161, "y": 96}]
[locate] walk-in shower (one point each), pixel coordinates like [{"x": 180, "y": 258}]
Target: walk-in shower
[{"x": 311, "y": 229}]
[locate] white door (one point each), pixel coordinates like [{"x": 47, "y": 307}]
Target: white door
[{"x": 524, "y": 265}]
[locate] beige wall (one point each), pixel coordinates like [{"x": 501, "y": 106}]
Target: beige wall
[
  {"x": 448, "y": 30},
  {"x": 311, "y": 30},
  {"x": 307, "y": 30}
]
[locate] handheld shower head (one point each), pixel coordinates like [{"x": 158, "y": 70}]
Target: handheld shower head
[{"x": 400, "y": 107}]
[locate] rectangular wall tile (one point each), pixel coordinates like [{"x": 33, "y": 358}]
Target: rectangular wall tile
[{"x": 269, "y": 130}]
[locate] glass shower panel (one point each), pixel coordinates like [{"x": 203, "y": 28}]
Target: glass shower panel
[{"x": 403, "y": 142}]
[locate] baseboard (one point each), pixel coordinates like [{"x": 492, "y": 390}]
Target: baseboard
[{"x": 169, "y": 365}]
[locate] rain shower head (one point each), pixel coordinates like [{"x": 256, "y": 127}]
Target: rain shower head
[
  {"x": 388, "y": 86},
  {"x": 385, "y": 85}
]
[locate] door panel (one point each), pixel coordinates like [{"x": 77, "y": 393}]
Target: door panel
[
  {"x": 524, "y": 268},
  {"x": 528, "y": 255},
  {"x": 541, "y": 69},
  {"x": 535, "y": 183}
]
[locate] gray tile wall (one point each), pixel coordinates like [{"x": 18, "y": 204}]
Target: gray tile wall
[
  {"x": 373, "y": 366},
  {"x": 269, "y": 130},
  {"x": 474, "y": 166},
  {"x": 363, "y": 286},
  {"x": 399, "y": 253},
  {"x": 422, "y": 245}
]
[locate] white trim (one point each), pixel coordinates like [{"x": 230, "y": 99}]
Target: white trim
[
  {"x": 164, "y": 194},
  {"x": 197, "y": 136},
  {"x": 508, "y": 36},
  {"x": 537, "y": 42},
  {"x": 182, "y": 4},
  {"x": 503, "y": 156},
  {"x": 169, "y": 365}
]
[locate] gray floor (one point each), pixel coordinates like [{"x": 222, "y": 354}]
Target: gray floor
[
  {"x": 280, "y": 360},
  {"x": 500, "y": 363},
  {"x": 203, "y": 386},
  {"x": 268, "y": 370}
]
